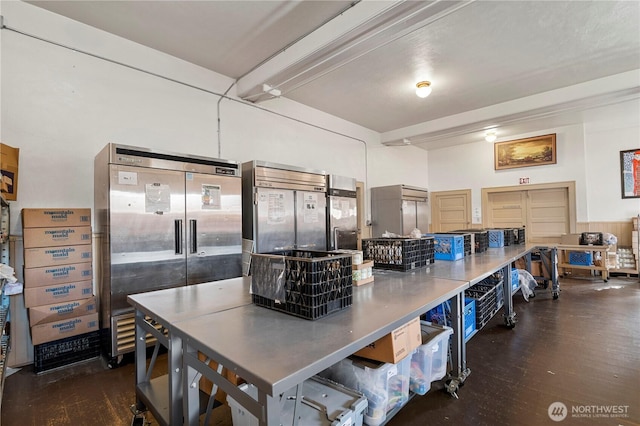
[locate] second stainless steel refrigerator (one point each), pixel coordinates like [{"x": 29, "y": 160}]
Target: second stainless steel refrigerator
[
  {"x": 166, "y": 220},
  {"x": 399, "y": 209},
  {"x": 284, "y": 207}
]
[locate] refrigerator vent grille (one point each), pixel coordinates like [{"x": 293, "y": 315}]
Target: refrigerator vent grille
[{"x": 126, "y": 335}]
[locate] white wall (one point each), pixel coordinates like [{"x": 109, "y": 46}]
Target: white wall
[
  {"x": 391, "y": 165},
  {"x": 607, "y": 132},
  {"x": 582, "y": 152},
  {"x": 61, "y": 107}
]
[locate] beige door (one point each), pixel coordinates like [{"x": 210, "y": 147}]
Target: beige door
[
  {"x": 546, "y": 211},
  {"x": 451, "y": 210},
  {"x": 548, "y": 215},
  {"x": 507, "y": 209},
  {"x": 362, "y": 229}
]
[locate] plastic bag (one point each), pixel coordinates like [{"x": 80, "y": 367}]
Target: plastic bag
[
  {"x": 527, "y": 284},
  {"x": 609, "y": 239},
  {"x": 415, "y": 233}
]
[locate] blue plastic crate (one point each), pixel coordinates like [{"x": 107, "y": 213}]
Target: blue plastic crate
[
  {"x": 469, "y": 317},
  {"x": 514, "y": 280},
  {"x": 583, "y": 258},
  {"x": 496, "y": 238},
  {"x": 438, "y": 315},
  {"x": 447, "y": 246}
]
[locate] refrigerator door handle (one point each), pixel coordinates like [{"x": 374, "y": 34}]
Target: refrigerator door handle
[
  {"x": 178, "y": 236},
  {"x": 193, "y": 230}
]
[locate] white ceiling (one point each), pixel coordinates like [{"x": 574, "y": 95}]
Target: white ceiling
[{"x": 513, "y": 65}]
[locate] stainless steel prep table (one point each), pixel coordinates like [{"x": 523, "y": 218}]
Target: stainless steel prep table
[
  {"x": 157, "y": 312},
  {"x": 275, "y": 351},
  {"x": 477, "y": 267},
  {"x": 474, "y": 269}
]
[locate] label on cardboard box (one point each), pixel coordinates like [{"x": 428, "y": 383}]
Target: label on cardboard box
[
  {"x": 62, "y": 255},
  {"x": 59, "y": 311},
  {"x": 69, "y": 327},
  {"x": 43, "y": 218},
  {"x": 57, "y": 274},
  {"x": 57, "y": 293},
  {"x": 62, "y": 236},
  {"x": 396, "y": 345},
  {"x": 9, "y": 172}
]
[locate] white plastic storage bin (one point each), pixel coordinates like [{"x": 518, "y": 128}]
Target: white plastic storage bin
[
  {"x": 429, "y": 361},
  {"x": 386, "y": 386},
  {"x": 324, "y": 403}
]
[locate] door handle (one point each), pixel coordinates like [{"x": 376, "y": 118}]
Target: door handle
[
  {"x": 178, "y": 236},
  {"x": 193, "y": 230}
]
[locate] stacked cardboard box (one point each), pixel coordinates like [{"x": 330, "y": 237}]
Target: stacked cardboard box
[
  {"x": 58, "y": 277},
  {"x": 634, "y": 243}
]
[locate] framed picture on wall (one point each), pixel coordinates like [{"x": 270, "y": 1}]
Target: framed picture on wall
[
  {"x": 536, "y": 151},
  {"x": 630, "y": 173}
]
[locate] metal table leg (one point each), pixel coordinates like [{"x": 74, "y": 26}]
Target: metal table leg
[
  {"x": 509, "y": 314},
  {"x": 459, "y": 371}
]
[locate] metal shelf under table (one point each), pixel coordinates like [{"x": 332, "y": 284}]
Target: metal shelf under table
[
  {"x": 275, "y": 351},
  {"x": 163, "y": 396}
]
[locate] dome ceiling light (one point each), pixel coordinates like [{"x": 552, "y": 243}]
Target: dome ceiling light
[{"x": 423, "y": 89}]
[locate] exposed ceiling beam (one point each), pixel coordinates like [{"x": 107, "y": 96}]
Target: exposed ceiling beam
[
  {"x": 366, "y": 26},
  {"x": 580, "y": 97}
]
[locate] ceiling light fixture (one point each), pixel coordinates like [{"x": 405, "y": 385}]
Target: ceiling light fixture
[
  {"x": 490, "y": 135},
  {"x": 423, "y": 89}
]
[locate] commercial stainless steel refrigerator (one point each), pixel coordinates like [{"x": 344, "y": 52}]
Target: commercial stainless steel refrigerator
[
  {"x": 166, "y": 220},
  {"x": 284, "y": 207},
  {"x": 399, "y": 209},
  {"x": 342, "y": 213}
]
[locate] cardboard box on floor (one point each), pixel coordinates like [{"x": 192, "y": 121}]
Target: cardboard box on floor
[
  {"x": 9, "y": 172},
  {"x": 57, "y": 274},
  {"x": 48, "y": 332},
  {"x": 48, "y": 218},
  {"x": 396, "y": 345},
  {"x": 536, "y": 267},
  {"x": 57, "y": 236},
  {"x": 58, "y": 293},
  {"x": 63, "y": 255},
  {"x": 60, "y": 311}
]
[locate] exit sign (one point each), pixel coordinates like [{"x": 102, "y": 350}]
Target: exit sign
[{"x": 524, "y": 180}]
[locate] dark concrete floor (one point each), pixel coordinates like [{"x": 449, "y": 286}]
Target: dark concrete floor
[{"x": 582, "y": 350}]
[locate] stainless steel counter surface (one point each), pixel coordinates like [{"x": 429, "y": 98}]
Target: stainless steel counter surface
[
  {"x": 276, "y": 351},
  {"x": 176, "y": 304},
  {"x": 476, "y": 267}
]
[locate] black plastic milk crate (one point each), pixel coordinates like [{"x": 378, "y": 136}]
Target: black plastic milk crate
[
  {"x": 63, "y": 352},
  {"x": 400, "y": 254},
  {"x": 520, "y": 236},
  {"x": 480, "y": 239},
  {"x": 591, "y": 238},
  {"x": 487, "y": 300},
  {"x": 509, "y": 236},
  {"x": 307, "y": 284},
  {"x": 430, "y": 250}
]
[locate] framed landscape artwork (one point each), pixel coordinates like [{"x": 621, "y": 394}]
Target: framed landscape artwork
[
  {"x": 630, "y": 173},
  {"x": 536, "y": 151}
]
